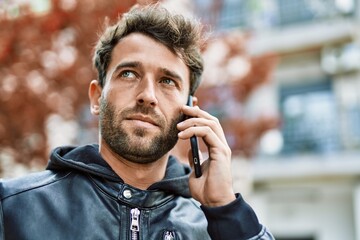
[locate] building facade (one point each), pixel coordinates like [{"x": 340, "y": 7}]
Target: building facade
[{"x": 305, "y": 180}]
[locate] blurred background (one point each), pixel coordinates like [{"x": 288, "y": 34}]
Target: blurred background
[{"x": 282, "y": 76}]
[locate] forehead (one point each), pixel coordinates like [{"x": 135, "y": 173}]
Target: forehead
[{"x": 150, "y": 52}]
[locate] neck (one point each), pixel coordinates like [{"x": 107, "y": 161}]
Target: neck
[{"x": 135, "y": 174}]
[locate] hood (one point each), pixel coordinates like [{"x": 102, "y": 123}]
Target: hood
[{"x": 87, "y": 159}]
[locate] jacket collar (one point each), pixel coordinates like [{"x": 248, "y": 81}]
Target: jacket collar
[{"x": 87, "y": 159}]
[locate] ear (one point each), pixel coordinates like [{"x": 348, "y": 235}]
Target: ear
[
  {"x": 195, "y": 101},
  {"x": 94, "y": 96}
]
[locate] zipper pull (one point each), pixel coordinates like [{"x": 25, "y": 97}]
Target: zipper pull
[{"x": 134, "y": 226}]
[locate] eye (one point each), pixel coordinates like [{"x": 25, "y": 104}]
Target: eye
[
  {"x": 127, "y": 74},
  {"x": 168, "y": 81}
]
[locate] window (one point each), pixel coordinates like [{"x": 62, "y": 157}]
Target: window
[
  {"x": 262, "y": 14},
  {"x": 296, "y": 11},
  {"x": 310, "y": 119}
]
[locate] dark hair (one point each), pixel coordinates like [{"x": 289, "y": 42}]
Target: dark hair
[{"x": 179, "y": 34}]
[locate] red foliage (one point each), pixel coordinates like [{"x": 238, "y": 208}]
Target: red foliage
[
  {"x": 45, "y": 60},
  {"x": 45, "y": 68}
]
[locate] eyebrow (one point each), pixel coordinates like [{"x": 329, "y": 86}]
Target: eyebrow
[
  {"x": 171, "y": 74},
  {"x": 130, "y": 64},
  {"x": 137, "y": 64}
]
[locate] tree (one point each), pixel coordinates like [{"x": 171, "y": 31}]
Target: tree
[{"x": 45, "y": 69}]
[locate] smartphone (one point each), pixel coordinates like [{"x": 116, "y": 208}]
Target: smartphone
[{"x": 195, "y": 147}]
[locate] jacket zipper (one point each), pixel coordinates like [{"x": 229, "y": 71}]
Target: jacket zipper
[{"x": 134, "y": 226}]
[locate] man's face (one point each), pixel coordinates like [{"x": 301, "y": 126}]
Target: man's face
[{"x": 140, "y": 103}]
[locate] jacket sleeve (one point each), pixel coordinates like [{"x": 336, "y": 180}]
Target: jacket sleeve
[{"x": 237, "y": 220}]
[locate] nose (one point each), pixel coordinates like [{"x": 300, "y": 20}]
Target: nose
[{"x": 147, "y": 94}]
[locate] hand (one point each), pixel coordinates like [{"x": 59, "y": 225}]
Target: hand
[{"x": 214, "y": 187}]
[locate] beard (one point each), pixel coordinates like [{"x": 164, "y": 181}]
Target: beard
[{"x": 136, "y": 146}]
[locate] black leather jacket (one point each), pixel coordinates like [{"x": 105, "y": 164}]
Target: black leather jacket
[{"x": 80, "y": 197}]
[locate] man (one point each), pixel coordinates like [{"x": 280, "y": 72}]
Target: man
[{"x": 128, "y": 186}]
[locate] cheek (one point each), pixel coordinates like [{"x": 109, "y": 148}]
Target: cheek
[
  {"x": 120, "y": 99},
  {"x": 171, "y": 112}
]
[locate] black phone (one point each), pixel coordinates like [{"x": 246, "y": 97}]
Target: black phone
[{"x": 195, "y": 147}]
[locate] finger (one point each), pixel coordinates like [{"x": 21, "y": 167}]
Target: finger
[
  {"x": 216, "y": 148},
  {"x": 196, "y": 112},
  {"x": 198, "y": 122},
  {"x": 209, "y": 137}
]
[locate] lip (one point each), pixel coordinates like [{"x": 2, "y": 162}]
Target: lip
[{"x": 142, "y": 118}]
